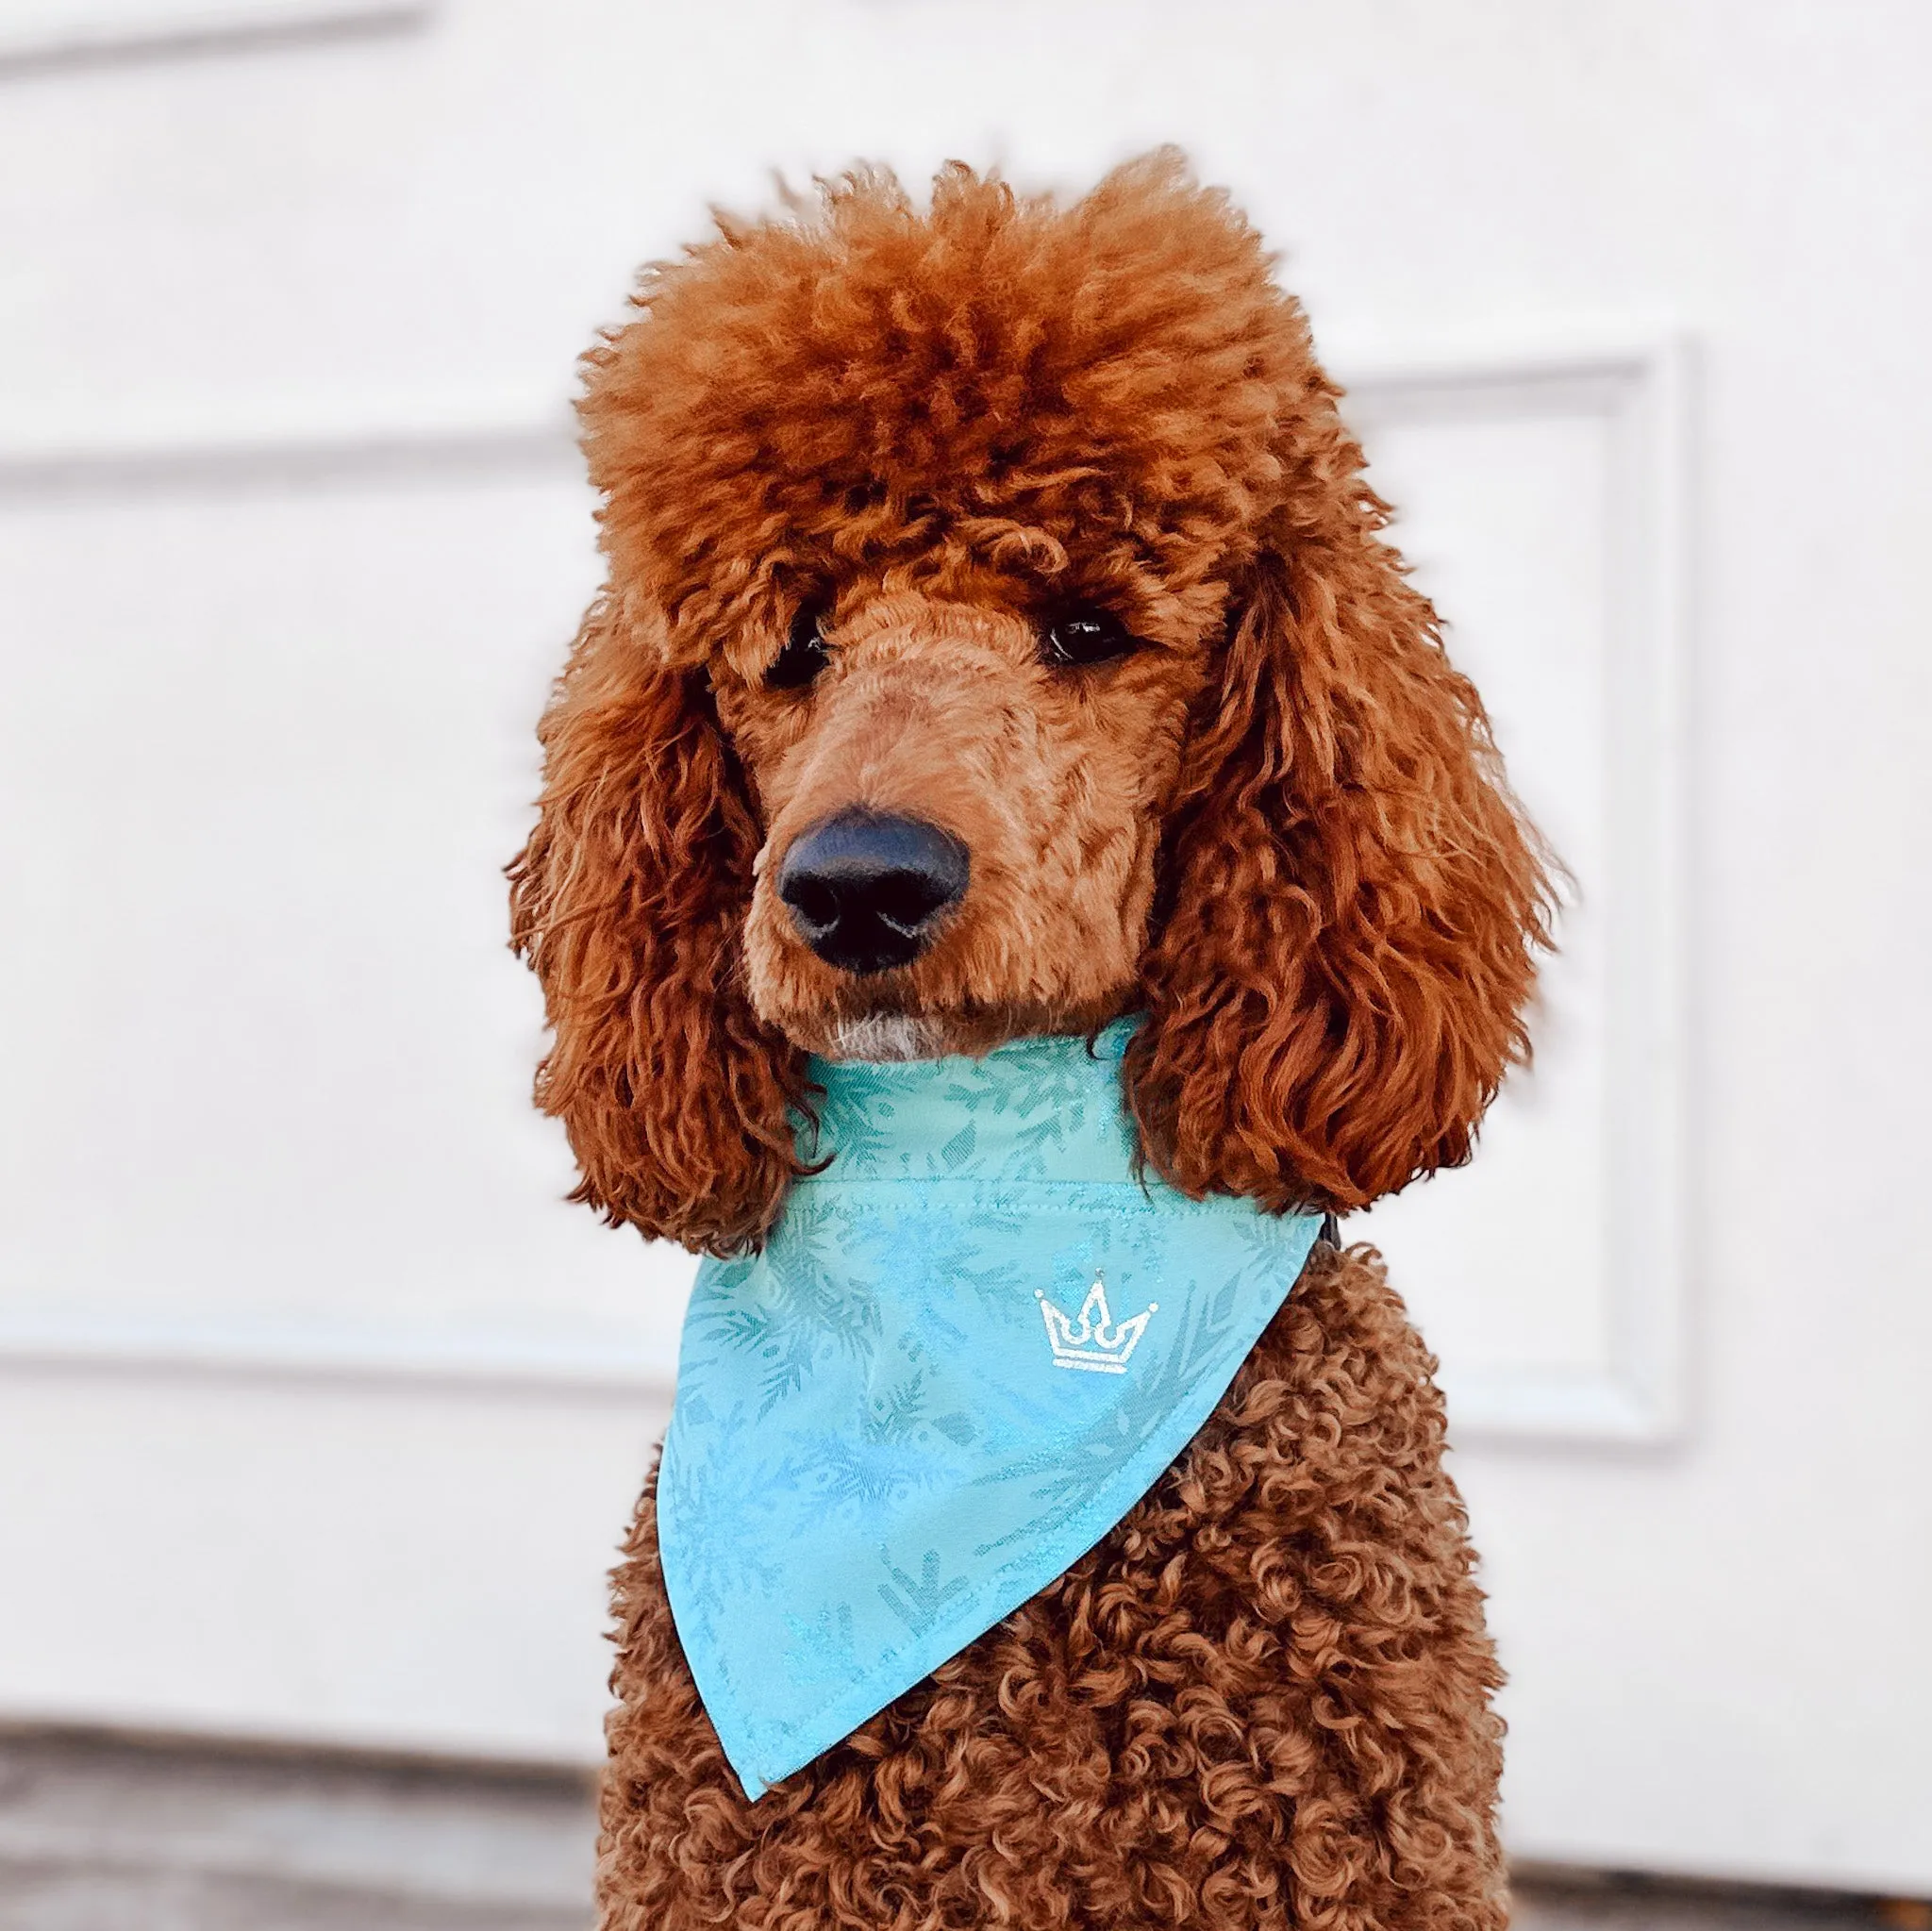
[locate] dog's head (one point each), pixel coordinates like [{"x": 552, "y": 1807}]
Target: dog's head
[{"x": 999, "y": 636}]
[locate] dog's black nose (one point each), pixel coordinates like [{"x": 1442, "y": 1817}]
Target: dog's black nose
[{"x": 867, "y": 890}]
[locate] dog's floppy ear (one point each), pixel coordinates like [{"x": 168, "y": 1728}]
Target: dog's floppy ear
[
  {"x": 1353, "y": 901},
  {"x": 627, "y": 902}
]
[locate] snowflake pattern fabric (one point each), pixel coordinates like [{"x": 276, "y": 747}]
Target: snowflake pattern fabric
[{"x": 973, "y": 1342}]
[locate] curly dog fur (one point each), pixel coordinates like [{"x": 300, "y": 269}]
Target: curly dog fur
[
  {"x": 1276, "y": 826},
  {"x": 1261, "y": 1700}
]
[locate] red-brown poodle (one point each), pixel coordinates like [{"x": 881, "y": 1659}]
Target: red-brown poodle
[{"x": 1038, "y": 524}]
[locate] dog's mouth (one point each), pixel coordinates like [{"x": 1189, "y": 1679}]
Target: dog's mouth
[{"x": 888, "y": 1036}]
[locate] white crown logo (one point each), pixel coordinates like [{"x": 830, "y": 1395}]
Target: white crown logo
[{"x": 1094, "y": 1342}]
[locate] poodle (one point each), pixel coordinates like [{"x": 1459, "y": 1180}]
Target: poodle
[{"x": 1010, "y": 560}]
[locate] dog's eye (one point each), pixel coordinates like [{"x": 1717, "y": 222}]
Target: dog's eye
[
  {"x": 1085, "y": 637},
  {"x": 804, "y": 653}
]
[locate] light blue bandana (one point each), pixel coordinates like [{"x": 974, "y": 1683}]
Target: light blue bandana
[{"x": 972, "y": 1344}]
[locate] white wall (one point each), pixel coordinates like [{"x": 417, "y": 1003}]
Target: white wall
[{"x": 321, "y": 1413}]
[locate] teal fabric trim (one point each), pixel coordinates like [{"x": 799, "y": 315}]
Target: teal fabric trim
[{"x": 974, "y": 1341}]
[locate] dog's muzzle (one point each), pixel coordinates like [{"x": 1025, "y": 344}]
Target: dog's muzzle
[{"x": 868, "y": 891}]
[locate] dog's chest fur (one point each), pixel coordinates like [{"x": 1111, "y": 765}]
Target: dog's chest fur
[{"x": 1266, "y": 1690}]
